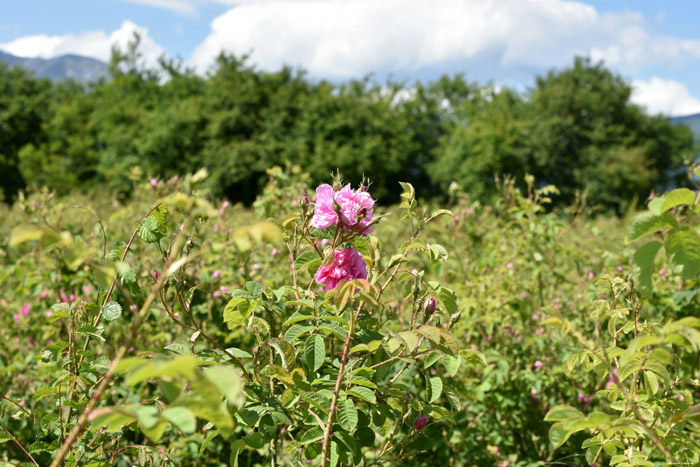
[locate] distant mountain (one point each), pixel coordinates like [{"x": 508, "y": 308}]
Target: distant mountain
[
  {"x": 75, "y": 67},
  {"x": 693, "y": 121}
]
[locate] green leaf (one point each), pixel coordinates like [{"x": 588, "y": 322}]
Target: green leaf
[
  {"x": 452, "y": 398},
  {"x": 181, "y": 418},
  {"x": 558, "y": 434},
  {"x": 148, "y": 230},
  {"x": 315, "y": 352},
  {"x": 592, "y": 454},
  {"x": 312, "y": 435},
  {"x": 562, "y": 413},
  {"x": 683, "y": 252},
  {"x": 434, "y": 388},
  {"x": 643, "y": 266},
  {"x": 451, "y": 364},
  {"x": 411, "y": 340},
  {"x": 656, "y": 203},
  {"x": 237, "y": 312},
  {"x": 678, "y": 197},
  {"x": 363, "y": 393},
  {"x": 267, "y": 427},
  {"x": 228, "y": 381},
  {"x": 42, "y": 446},
  {"x": 362, "y": 246},
  {"x": 307, "y": 260},
  {"x": 647, "y": 223},
  {"x": 285, "y": 351},
  {"x": 255, "y": 440},
  {"x": 347, "y": 414},
  {"x": 161, "y": 215},
  {"x": 437, "y": 252},
  {"x": 211, "y": 435},
  {"x": 440, "y": 338},
  {"x": 297, "y": 330},
  {"x": 111, "y": 311}
]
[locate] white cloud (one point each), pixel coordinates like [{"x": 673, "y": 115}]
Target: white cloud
[
  {"x": 183, "y": 7},
  {"x": 664, "y": 96},
  {"x": 95, "y": 44},
  {"x": 505, "y": 40}
]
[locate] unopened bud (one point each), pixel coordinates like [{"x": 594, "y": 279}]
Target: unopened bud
[
  {"x": 429, "y": 305},
  {"x": 420, "y": 423}
]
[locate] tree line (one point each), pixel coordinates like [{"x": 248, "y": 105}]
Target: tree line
[{"x": 575, "y": 128}]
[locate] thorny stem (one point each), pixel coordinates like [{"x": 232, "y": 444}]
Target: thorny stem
[
  {"x": 20, "y": 407},
  {"x": 107, "y": 297},
  {"x": 82, "y": 421},
  {"x": 328, "y": 430},
  {"x": 18, "y": 444}
]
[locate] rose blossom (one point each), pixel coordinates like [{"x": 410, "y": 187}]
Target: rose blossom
[
  {"x": 347, "y": 265},
  {"x": 355, "y": 209}
]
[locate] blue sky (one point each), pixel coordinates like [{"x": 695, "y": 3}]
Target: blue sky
[{"x": 656, "y": 45}]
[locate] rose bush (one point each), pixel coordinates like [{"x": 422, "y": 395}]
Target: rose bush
[{"x": 170, "y": 329}]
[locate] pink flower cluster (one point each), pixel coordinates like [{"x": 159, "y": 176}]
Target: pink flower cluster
[
  {"x": 347, "y": 265},
  {"x": 355, "y": 213}
]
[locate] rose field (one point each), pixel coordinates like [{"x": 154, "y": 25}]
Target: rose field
[
  {"x": 320, "y": 327},
  {"x": 253, "y": 268}
]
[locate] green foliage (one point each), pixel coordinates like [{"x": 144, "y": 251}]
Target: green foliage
[
  {"x": 188, "y": 334},
  {"x": 576, "y": 129}
]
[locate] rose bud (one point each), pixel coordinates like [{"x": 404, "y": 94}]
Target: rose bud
[
  {"x": 420, "y": 423},
  {"x": 429, "y": 305}
]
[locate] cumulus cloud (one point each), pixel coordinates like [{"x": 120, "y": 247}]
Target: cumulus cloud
[
  {"x": 664, "y": 96},
  {"x": 95, "y": 44},
  {"x": 505, "y": 40}
]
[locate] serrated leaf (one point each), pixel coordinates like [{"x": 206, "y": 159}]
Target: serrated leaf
[
  {"x": 647, "y": 223},
  {"x": 437, "y": 252},
  {"x": 434, "y": 388},
  {"x": 683, "y": 252},
  {"x": 305, "y": 260},
  {"x": 363, "y": 393},
  {"x": 315, "y": 352},
  {"x": 643, "y": 266},
  {"x": 592, "y": 454},
  {"x": 411, "y": 339},
  {"x": 347, "y": 414},
  {"x": 237, "y": 312},
  {"x": 267, "y": 427},
  {"x": 453, "y": 398},
  {"x": 112, "y": 310},
  {"x": 440, "y": 338},
  {"x": 678, "y": 197},
  {"x": 451, "y": 364},
  {"x": 285, "y": 351},
  {"x": 148, "y": 230}
]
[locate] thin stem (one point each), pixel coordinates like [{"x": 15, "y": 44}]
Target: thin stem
[
  {"x": 20, "y": 407},
  {"x": 327, "y": 432},
  {"x": 19, "y": 444}
]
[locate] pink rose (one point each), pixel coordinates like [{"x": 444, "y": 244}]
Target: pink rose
[
  {"x": 355, "y": 209},
  {"x": 347, "y": 265}
]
